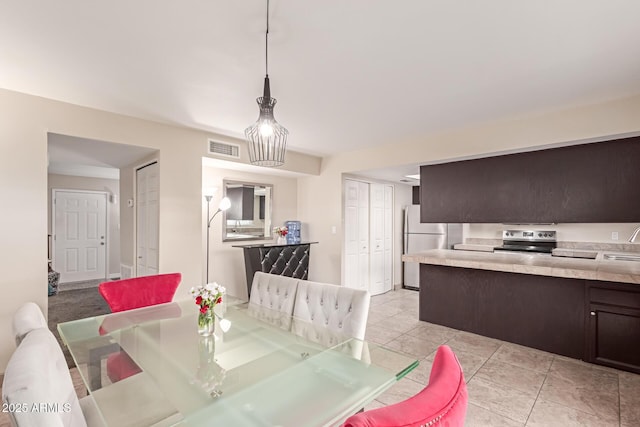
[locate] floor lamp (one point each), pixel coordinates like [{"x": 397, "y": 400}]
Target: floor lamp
[{"x": 225, "y": 204}]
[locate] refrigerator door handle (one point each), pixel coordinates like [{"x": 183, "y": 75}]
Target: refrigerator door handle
[{"x": 406, "y": 230}]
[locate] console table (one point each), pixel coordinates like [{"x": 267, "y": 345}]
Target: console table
[{"x": 290, "y": 260}]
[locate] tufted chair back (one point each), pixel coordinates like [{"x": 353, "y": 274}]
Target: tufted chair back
[
  {"x": 274, "y": 292},
  {"x": 336, "y": 308},
  {"x": 37, "y": 374},
  {"x": 137, "y": 292},
  {"x": 27, "y": 318},
  {"x": 443, "y": 402}
]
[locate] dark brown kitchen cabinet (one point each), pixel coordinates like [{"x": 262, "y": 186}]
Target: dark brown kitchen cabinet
[
  {"x": 241, "y": 203},
  {"x": 596, "y": 182},
  {"x": 547, "y": 313},
  {"x": 614, "y": 325}
]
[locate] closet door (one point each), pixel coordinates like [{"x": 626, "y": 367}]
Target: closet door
[
  {"x": 356, "y": 227},
  {"x": 377, "y": 211},
  {"x": 388, "y": 238}
]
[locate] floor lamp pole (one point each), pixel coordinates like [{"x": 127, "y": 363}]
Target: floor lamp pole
[{"x": 208, "y": 227}]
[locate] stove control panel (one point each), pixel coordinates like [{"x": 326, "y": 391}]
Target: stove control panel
[{"x": 529, "y": 235}]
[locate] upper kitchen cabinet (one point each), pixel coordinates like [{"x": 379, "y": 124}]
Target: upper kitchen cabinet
[{"x": 596, "y": 182}]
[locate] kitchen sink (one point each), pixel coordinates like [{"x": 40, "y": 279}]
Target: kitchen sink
[{"x": 622, "y": 257}]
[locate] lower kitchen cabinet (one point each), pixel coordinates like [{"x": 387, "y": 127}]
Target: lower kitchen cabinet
[
  {"x": 543, "y": 312},
  {"x": 592, "y": 320},
  {"x": 614, "y": 325}
]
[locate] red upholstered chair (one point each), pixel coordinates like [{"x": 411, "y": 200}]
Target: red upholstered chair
[
  {"x": 443, "y": 402},
  {"x": 128, "y": 294}
]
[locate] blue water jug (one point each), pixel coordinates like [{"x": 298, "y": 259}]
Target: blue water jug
[{"x": 293, "y": 232}]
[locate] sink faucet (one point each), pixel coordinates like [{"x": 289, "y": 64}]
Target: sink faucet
[{"x": 634, "y": 235}]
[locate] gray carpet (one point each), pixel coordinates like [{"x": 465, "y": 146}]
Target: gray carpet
[{"x": 73, "y": 305}]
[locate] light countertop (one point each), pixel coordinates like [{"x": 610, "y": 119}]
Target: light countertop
[{"x": 538, "y": 264}]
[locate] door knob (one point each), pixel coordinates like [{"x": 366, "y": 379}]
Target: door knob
[
  {"x": 593, "y": 313},
  {"x": 101, "y": 243}
]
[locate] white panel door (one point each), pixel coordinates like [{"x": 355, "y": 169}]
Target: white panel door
[
  {"x": 147, "y": 220},
  {"x": 356, "y": 234},
  {"x": 363, "y": 235},
  {"x": 388, "y": 238},
  {"x": 376, "y": 281},
  {"x": 351, "y": 240},
  {"x": 80, "y": 224}
]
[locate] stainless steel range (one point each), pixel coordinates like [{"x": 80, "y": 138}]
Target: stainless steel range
[{"x": 528, "y": 241}]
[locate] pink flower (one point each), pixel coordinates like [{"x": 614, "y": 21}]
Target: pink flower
[
  {"x": 198, "y": 300},
  {"x": 204, "y": 309},
  {"x": 219, "y": 300}
]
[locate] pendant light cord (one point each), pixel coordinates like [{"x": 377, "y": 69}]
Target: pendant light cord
[{"x": 266, "y": 44}]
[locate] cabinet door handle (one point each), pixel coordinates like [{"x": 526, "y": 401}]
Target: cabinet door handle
[{"x": 593, "y": 313}]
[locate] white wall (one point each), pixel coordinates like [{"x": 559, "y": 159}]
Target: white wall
[
  {"x": 226, "y": 263},
  {"x": 110, "y": 186},
  {"x": 26, "y": 120},
  {"x": 320, "y": 197}
]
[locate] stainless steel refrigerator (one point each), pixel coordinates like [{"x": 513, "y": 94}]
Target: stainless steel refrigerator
[{"x": 420, "y": 237}]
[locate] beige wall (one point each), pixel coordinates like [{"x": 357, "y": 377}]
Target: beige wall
[
  {"x": 226, "y": 263},
  {"x": 600, "y": 233},
  {"x": 26, "y": 120},
  {"x": 320, "y": 197},
  {"x": 23, "y": 173},
  {"x": 111, "y": 187}
]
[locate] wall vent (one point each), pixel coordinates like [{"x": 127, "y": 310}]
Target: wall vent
[{"x": 225, "y": 149}]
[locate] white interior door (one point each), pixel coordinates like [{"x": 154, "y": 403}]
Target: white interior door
[
  {"x": 79, "y": 235},
  {"x": 147, "y": 220},
  {"x": 388, "y": 238},
  {"x": 376, "y": 282},
  {"x": 356, "y": 231},
  {"x": 351, "y": 240},
  {"x": 363, "y": 235}
]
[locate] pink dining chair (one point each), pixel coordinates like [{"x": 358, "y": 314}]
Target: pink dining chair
[
  {"x": 128, "y": 294},
  {"x": 443, "y": 402}
]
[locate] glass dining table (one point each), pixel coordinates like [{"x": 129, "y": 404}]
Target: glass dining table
[{"x": 260, "y": 368}]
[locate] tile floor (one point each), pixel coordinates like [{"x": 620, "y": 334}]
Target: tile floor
[{"x": 508, "y": 384}]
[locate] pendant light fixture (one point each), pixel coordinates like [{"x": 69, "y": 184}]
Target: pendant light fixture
[{"x": 266, "y": 138}]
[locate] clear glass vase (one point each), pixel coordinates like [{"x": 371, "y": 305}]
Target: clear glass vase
[{"x": 206, "y": 323}]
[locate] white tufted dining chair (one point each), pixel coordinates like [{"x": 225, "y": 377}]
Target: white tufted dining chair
[
  {"x": 37, "y": 374},
  {"x": 274, "y": 292},
  {"x": 27, "y": 318},
  {"x": 335, "y": 308}
]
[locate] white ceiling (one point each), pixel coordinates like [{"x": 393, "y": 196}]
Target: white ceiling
[
  {"x": 347, "y": 74},
  {"x": 68, "y": 155}
]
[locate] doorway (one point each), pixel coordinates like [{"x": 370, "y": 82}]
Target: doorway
[
  {"x": 147, "y": 219},
  {"x": 80, "y": 238}
]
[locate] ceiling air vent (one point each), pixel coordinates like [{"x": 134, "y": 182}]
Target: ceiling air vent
[{"x": 225, "y": 149}]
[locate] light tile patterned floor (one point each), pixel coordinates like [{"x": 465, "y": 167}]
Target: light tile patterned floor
[{"x": 508, "y": 384}]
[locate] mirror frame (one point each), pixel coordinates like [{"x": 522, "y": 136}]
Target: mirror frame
[{"x": 268, "y": 211}]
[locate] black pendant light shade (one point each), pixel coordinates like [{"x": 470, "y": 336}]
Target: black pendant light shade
[{"x": 266, "y": 138}]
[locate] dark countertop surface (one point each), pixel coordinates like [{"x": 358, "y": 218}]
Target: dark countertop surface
[{"x": 271, "y": 245}]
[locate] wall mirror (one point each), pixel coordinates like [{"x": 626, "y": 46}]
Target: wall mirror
[{"x": 249, "y": 217}]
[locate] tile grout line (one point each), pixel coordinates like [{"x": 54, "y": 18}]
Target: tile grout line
[
  {"x": 546, "y": 375},
  {"x": 619, "y": 403}
]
